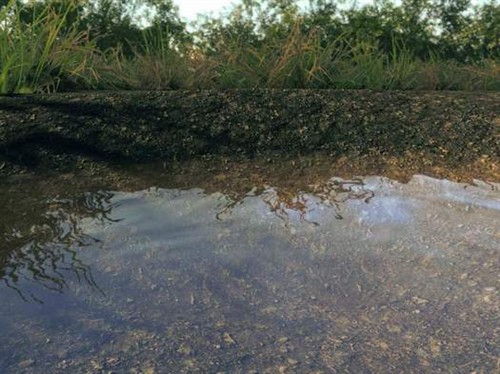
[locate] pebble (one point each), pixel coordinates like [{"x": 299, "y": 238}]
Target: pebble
[
  {"x": 292, "y": 361},
  {"x": 26, "y": 363}
]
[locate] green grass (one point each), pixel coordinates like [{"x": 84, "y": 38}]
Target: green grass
[
  {"x": 40, "y": 56},
  {"x": 48, "y": 56},
  {"x": 295, "y": 61},
  {"x": 155, "y": 65},
  {"x": 299, "y": 61}
]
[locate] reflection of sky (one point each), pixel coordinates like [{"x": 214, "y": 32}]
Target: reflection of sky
[
  {"x": 154, "y": 221},
  {"x": 167, "y": 218},
  {"x": 483, "y": 195},
  {"x": 173, "y": 218},
  {"x": 157, "y": 212},
  {"x": 385, "y": 210},
  {"x": 170, "y": 262}
]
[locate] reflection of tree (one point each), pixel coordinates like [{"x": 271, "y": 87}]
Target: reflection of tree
[{"x": 42, "y": 239}]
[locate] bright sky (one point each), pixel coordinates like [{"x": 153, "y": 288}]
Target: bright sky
[{"x": 188, "y": 9}]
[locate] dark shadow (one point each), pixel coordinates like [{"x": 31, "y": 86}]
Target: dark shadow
[
  {"x": 95, "y": 131},
  {"x": 28, "y": 151}
]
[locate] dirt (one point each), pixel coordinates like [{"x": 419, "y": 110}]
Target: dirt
[{"x": 398, "y": 134}]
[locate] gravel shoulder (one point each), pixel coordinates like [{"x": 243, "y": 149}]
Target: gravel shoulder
[{"x": 436, "y": 133}]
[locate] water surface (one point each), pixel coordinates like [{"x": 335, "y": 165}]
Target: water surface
[{"x": 352, "y": 276}]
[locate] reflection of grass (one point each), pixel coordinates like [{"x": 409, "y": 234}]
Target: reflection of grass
[
  {"x": 47, "y": 253},
  {"x": 45, "y": 265},
  {"x": 283, "y": 201}
]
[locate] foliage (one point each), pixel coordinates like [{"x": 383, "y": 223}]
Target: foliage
[
  {"x": 143, "y": 44},
  {"x": 380, "y": 46},
  {"x": 38, "y": 55}
]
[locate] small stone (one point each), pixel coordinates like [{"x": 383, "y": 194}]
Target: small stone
[
  {"x": 26, "y": 363},
  {"x": 435, "y": 347},
  {"x": 228, "y": 339},
  {"x": 63, "y": 353},
  {"x": 419, "y": 301},
  {"x": 184, "y": 349},
  {"x": 292, "y": 361},
  {"x": 395, "y": 329},
  {"x": 383, "y": 345},
  {"x": 487, "y": 299},
  {"x": 283, "y": 340},
  {"x": 283, "y": 349}
]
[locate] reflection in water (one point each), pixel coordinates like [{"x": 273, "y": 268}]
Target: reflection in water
[
  {"x": 283, "y": 202},
  {"x": 42, "y": 248},
  {"x": 45, "y": 248},
  {"x": 350, "y": 276}
]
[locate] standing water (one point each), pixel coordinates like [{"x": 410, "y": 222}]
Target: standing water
[{"x": 351, "y": 276}]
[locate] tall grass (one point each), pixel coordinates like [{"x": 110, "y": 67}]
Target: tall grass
[
  {"x": 156, "y": 64},
  {"x": 49, "y": 55},
  {"x": 40, "y": 55},
  {"x": 294, "y": 61},
  {"x": 298, "y": 60},
  {"x": 438, "y": 74}
]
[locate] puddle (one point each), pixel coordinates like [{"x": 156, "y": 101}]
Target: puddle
[{"x": 352, "y": 276}]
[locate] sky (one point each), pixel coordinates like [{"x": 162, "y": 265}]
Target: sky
[{"x": 188, "y": 9}]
